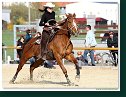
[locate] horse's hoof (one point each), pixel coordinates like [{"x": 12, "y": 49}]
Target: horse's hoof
[
  {"x": 76, "y": 85},
  {"x": 77, "y": 77},
  {"x": 71, "y": 84},
  {"x": 31, "y": 78},
  {"x": 11, "y": 82}
]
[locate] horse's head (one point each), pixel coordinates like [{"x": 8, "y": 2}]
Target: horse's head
[{"x": 72, "y": 26}]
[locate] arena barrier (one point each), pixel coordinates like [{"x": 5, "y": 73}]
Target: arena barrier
[
  {"x": 75, "y": 48},
  {"x": 94, "y": 48}
]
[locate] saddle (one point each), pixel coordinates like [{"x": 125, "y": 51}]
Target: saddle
[{"x": 52, "y": 31}]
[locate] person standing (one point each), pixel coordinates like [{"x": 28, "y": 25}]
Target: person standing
[
  {"x": 90, "y": 43},
  {"x": 112, "y": 42}
]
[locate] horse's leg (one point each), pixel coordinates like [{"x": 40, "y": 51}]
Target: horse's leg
[
  {"x": 21, "y": 64},
  {"x": 35, "y": 65},
  {"x": 60, "y": 63},
  {"x": 71, "y": 58}
]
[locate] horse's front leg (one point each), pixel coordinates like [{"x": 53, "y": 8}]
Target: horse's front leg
[
  {"x": 71, "y": 58},
  {"x": 60, "y": 63},
  {"x": 21, "y": 64}
]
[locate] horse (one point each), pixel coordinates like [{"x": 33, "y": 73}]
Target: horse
[{"x": 60, "y": 46}]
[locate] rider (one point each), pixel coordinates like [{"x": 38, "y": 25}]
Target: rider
[{"x": 47, "y": 15}]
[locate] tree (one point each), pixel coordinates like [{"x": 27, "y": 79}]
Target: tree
[
  {"x": 18, "y": 10},
  {"x": 4, "y": 25},
  {"x": 57, "y": 11},
  {"x": 35, "y": 13}
]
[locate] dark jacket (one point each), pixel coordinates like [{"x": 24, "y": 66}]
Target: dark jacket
[
  {"x": 19, "y": 51},
  {"x": 113, "y": 42},
  {"x": 45, "y": 17},
  {"x": 28, "y": 37}
]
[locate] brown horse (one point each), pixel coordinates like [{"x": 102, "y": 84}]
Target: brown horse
[{"x": 60, "y": 46}]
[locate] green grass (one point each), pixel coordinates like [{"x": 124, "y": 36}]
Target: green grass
[{"x": 7, "y": 39}]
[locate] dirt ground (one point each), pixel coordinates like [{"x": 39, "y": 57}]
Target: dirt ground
[{"x": 92, "y": 77}]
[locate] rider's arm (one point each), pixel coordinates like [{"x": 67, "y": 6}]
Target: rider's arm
[{"x": 42, "y": 21}]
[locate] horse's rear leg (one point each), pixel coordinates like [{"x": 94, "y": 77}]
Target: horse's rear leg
[
  {"x": 71, "y": 58},
  {"x": 21, "y": 64},
  {"x": 35, "y": 65},
  {"x": 59, "y": 61}
]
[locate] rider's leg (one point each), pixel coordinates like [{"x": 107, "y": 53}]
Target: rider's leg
[{"x": 44, "y": 40}]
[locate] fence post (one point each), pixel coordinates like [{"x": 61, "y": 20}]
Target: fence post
[{"x": 5, "y": 52}]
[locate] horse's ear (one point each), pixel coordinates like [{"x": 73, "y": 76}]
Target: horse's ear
[
  {"x": 66, "y": 14},
  {"x": 74, "y": 15}
]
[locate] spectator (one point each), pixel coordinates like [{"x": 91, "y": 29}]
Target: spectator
[
  {"x": 28, "y": 35},
  {"x": 32, "y": 60},
  {"x": 90, "y": 42},
  {"x": 20, "y": 44},
  {"x": 49, "y": 64},
  {"x": 112, "y": 42},
  {"x": 80, "y": 59}
]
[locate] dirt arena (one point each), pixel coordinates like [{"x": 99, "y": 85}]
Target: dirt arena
[{"x": 92, "y": 77}]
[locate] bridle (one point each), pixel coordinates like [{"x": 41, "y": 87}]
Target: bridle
[{"x": 69, "y": 29}]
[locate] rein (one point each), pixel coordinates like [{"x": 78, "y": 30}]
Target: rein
[
  {"x": 67, "y": 32},
  {"x": 67, "y": 29}
]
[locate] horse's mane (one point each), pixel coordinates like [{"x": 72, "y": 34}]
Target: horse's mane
[{"x": 61, "y": 23}]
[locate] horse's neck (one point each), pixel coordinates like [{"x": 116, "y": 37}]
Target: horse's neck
[{"x": 65, "y": 25}]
